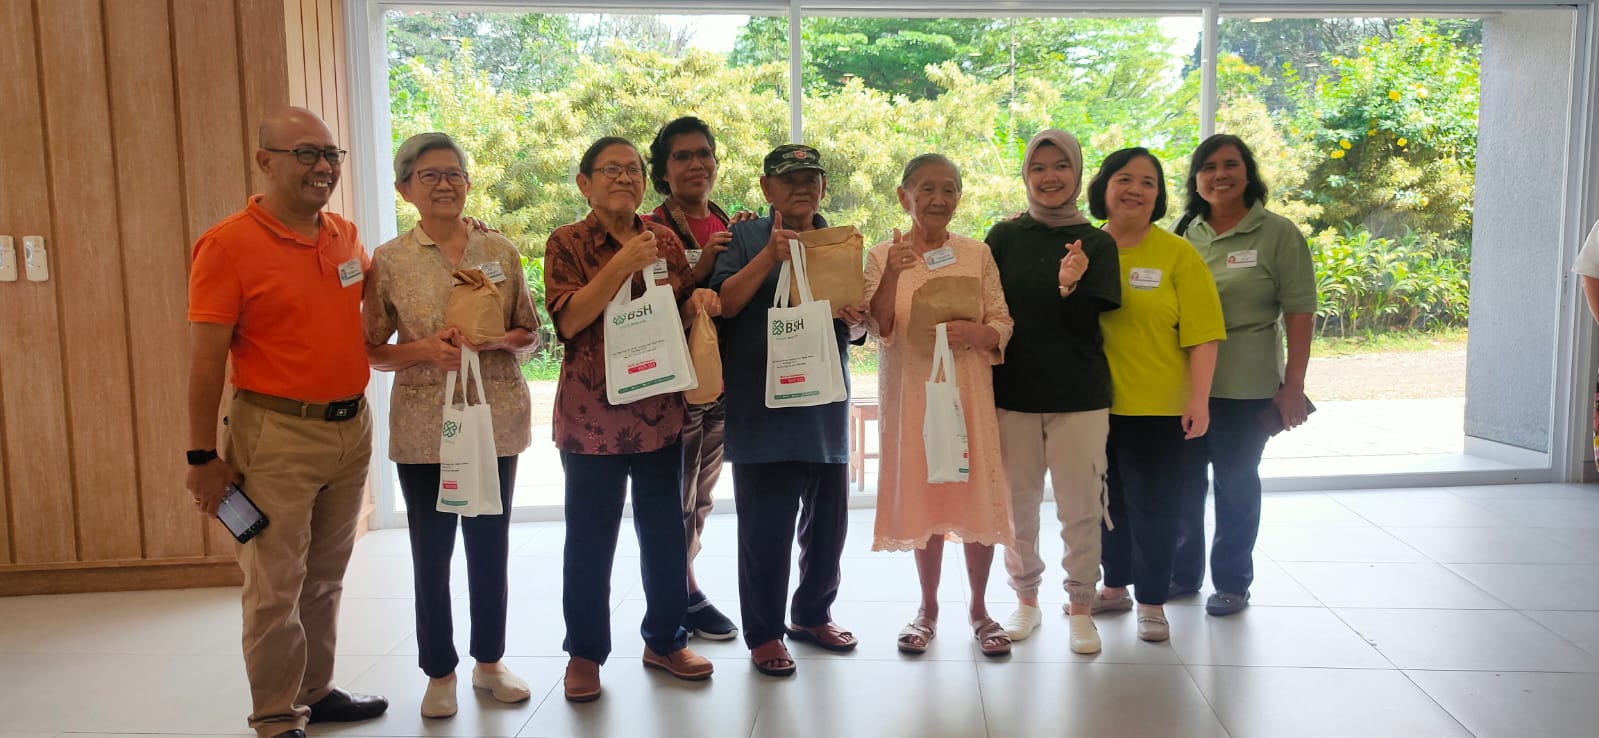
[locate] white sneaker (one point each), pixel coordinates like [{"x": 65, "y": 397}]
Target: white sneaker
[
  {"x": 439, "y": 699},
  {"x": 1085, "y": 637},
  {"x": 505, "y": 686},
  {"x": 1023, "y": 622}
]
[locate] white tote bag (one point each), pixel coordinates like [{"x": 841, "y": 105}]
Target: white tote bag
[
  {"x": 469, "y": 472},
  {"x": 646, "y": 349},
  {"x": 944, "y": 427},
  {"x": 802, "y": 364}
]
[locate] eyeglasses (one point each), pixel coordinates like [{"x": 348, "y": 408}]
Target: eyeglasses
[
  {"x": 308, "y": 155},
  {"x": 615, "y": 172},
  {"x": 685, "y": 156},
  {"x": 431, "y": 177}
]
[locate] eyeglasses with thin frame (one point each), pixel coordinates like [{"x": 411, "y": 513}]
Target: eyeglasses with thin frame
[
  {"x": 615, "y": 172},
  {"x": 686, "y": 156},
  {"x": 431, "y": 177},
  {"x": 308, "y": 155}
]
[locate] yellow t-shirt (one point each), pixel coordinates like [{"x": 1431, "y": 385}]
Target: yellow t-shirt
[{"x": 1169, "y": 303}]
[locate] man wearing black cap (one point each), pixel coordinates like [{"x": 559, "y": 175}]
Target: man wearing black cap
[{"x": 782, "y": 458}]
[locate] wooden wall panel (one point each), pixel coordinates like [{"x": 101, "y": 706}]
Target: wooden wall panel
[
  {"x": 330, "y": 64},
  {"x": 129, "y": 129},
  {"x": 205, "y": 50},
  {"x": 87, "y": 270},
  {"x": 155, "y": 260},
  {"x": 263, "y": 67},
  {"x": 312, "y": 49},
  {"x": 39, "y": 472},
  {"x": 346, "y": 130},
  {"x": 294, "y": 43}
]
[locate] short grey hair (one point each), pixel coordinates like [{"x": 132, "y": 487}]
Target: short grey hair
[
  {"x": 415, "y": 146},
  {"x": 923, "y": 160}
]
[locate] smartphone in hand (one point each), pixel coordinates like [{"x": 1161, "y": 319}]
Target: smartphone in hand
[{"x": 242, "y": 518}]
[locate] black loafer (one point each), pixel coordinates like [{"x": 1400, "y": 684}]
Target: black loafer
[
  {"x": 296, "y": 733},
  {"x": 347, "y": 707}
]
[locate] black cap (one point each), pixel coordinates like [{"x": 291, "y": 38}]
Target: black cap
[{"x": 792, "y": 158}]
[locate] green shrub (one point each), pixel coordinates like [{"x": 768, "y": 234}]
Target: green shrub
[{"x": 1370, "y": 283}]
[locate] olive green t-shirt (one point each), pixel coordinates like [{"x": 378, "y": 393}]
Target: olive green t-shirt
[
  {"x": 1263, "y": 270},
  {"x": 1055, "y": 361}
]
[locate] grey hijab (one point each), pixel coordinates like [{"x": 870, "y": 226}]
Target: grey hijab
[{"x": 1068, "y": 213}]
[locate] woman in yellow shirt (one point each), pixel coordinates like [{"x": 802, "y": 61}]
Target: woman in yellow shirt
[{"x": 1161, "y": 346}]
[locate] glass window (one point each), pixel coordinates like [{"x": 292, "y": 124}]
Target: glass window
[{"x": 1365, "y": 131}]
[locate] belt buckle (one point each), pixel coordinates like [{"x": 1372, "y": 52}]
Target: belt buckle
[{"x": 339, "y": 411}]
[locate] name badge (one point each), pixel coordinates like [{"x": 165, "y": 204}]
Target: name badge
[
  {"x": 694, "y": 256},
  {"x": 1143, "y": 278},
  {"x": 350, "y": 272},
  {"x": 1242, "y": 259},
  {"x": 939, "y": 258},
  {"x": 492, "y": 270},
  {"x": 658, "y": 272}
]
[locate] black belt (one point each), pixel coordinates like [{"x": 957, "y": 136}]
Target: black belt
[{"x": 337, "y": 411}]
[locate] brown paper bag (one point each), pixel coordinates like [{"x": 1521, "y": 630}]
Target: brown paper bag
[
  {"x": 940, "y": 300},
  {"x": 707, "y": 357},
  {"x": 833, "y": 262},
  {"x": 474, "y": 308}
]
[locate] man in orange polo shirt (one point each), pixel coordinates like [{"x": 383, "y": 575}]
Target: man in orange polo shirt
[{"x": 278, "y": 287}]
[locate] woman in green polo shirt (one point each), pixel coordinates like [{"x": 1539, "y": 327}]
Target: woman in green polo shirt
[
  {"x": 1162, "y": 350},
  {"x": 1267, "y": 284}
]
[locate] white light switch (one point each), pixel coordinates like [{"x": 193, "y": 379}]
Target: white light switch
[
  {"x": 35, "y": 258},
  {"x": 8, "y": 259}
]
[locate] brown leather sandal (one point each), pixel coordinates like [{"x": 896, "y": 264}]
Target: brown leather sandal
[
  {"x": 991, "y": 638},
  {"x": 827, "y": 635},
  {"x": 772, "y": 659},
  {"x": 917, "y": 634}
]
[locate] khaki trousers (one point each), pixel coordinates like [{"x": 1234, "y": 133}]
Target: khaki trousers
[
  {"x": 307, "y": 476},
  {"x": 1071, "y": 447}
]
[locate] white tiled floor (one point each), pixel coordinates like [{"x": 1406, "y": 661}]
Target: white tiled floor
[{"x": 1428, "y": 612}]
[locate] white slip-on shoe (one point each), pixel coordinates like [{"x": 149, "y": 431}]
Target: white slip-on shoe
[
  {"x": 1023, "y": 622},
  {"x": 1085, "y": 637},
  {"x": 503, "y": 685},
  {"x": 439, "y": 699},
  {"x": 1153, "y": 627}
]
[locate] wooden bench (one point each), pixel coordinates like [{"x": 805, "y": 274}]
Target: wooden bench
[{"x": 861, "y": 410}]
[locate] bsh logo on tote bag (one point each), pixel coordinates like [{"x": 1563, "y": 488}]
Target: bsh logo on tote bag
[
  {"x": 802, "y": 364},
  {"x": 469, "y": 472},
  {"x": 646, "y": 352}
]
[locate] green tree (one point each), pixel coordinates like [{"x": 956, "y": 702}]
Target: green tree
[
  {"x": 516, "y": 51},
  {"x": 1393, "y": 135}
]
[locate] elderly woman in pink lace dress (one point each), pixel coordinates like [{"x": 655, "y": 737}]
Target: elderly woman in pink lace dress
[{"x": 914, "y": 282}]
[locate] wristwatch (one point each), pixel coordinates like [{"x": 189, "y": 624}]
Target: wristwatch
[{"x": 201, "y": 456}]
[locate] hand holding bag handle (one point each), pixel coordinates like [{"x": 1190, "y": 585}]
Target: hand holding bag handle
[{"x": 793, "y": 269}]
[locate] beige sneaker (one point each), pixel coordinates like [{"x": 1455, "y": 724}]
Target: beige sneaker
[
  {"x": 1085, "y": 637},
  {"x": 439, "y": 699},
  {"x": 1023, "y": 622},
  {"x": 504, "y": 685}
]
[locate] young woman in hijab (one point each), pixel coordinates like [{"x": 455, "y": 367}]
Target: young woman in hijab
[{"x": 1053, "y": 391}]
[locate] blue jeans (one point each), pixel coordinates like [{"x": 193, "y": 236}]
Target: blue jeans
[
  {"x": 1233, "y": 448},
  {"x": 596, "y": 486}
]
